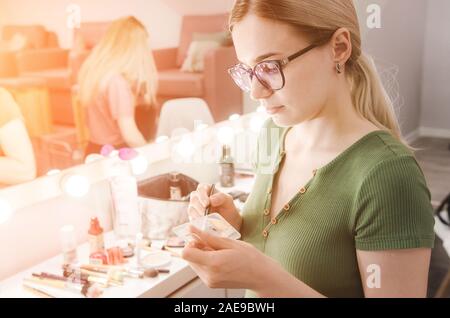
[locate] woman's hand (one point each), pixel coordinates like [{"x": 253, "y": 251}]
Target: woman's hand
[
  {"x": 226, "y": 263},
  {"x": 220, "y": 202}
]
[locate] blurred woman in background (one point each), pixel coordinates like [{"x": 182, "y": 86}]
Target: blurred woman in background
[
  {"x": 17, "y": 162},
  {"x": 119, "y": 74}
]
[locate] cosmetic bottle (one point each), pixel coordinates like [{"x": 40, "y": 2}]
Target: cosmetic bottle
[
  {"x": 68, "y": 244},
  {"x": 175, "y": 186},
  {"x": 125, "y": 202},
  {"x": 226, "y": 168},
  {"x": 96, "y": 242}
]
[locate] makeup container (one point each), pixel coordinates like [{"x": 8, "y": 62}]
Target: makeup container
[
  {"x": 68, "y": 244},
  {"x": 175, "y": 186},
  {"x": 226, "y": 165},
  {"x": 96, "y": 241}
]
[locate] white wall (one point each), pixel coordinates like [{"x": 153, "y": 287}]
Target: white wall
[
  {"x": 191, "y": 7},
  {"x": 3, "y": 13},
  {"x": 436, "y": 78},
  {"x": 397, "y": 48}
]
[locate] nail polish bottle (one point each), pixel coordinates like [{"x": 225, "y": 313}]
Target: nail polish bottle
[
  {"x": 175, "y": 186},
  {"x": 96, "y": 242},
  {"x": 226, "y": 168}
]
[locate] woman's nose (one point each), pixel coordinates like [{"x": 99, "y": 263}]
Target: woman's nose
[{"x": 259, "y": 91}]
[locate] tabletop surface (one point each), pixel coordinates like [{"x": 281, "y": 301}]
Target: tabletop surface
[{"x": 161, "y": 286}]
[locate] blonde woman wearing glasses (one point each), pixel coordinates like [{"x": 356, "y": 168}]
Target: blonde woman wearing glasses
[
  {"x": 341, "y": 208},
  {"x": 119, "y": 74}
]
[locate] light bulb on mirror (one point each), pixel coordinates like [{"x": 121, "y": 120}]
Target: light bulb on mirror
[
  {"x": 161, "y": 139},
  {"x": 92, "y": 158},
  {"x": 261, "y": 110},
  {"x": 76, "y": 186},
  {"x": 53, "y": 172},
  {"x": 201, "y": 127},
  {"x": 256, "y": 123},
  {"x": 234, "y": 117},
  {"x": 185, "y": 148},
  {"x": 139, "y": 165},
  {"x": 6, "y": 211},
  {"x": 225, "y": 135}
]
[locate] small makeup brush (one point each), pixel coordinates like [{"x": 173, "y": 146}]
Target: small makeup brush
[
  {"x": 72, "y": 279},
  {"x": 112, "y": 278},
  {"x": 90, "y": 276},
  {"x": 107, "y": 268},
  {"x": 211, "y": 192},
  {"x": 37, "y": 290},
  {"x": 87, "y": 290}
]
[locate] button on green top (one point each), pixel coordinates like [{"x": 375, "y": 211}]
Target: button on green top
[{"x": 371, "y": 197}]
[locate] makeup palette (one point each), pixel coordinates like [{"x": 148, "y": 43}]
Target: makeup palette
[
  {"x": 155, "y": 259},
  {"x": 213, "y": 224}
]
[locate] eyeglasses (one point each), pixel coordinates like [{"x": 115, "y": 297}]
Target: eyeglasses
[{"x": 269, "y": 73}]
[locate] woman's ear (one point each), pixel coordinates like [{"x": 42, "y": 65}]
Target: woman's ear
[{"x": 341, "y": 46}]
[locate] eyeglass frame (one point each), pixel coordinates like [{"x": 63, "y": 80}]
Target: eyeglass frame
[{"x": 281, "y": 64}]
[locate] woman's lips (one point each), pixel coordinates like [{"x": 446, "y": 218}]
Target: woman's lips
[{"x": 274, "y": 110}]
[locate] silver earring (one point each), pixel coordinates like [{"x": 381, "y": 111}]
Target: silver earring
[{"x": 338, "y": 68}]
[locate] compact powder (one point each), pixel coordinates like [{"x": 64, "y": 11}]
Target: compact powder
[{"x": 156, "y": 259}]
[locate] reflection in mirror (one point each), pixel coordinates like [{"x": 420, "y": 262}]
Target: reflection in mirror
[
  {"x": 176, "y": 80},
  {"x": 103, "y": 86}
]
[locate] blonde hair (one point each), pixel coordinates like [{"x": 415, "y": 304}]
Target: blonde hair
[
  {"x": 319, "y": 20},
  {"x": 124, "y": 50}
]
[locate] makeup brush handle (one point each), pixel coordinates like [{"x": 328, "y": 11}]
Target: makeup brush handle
[
  {"x": 46, "y": 282},
  {"x": 211, "y": 192},
  {"x": 36, "y": 290},
  {"x": 93, "y": 273}
]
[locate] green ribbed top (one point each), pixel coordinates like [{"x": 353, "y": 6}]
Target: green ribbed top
[{"x": 373, "y": 196}]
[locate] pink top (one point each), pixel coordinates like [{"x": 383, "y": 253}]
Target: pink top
[{"x": 116, "y": 100}]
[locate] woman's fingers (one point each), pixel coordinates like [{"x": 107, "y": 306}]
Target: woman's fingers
[
  {"x": 218, "y": 199},
  {"x": 196, "y": 207},
  {"x": 202, "y": 194},
  {"x": 196, "y": 255},
  {"x": 200, "y": 201},
  {"x": 215, "y": 242},
  {"x": 193, "y": 213},
  {"x": 196, "y": 243},
  {"x": 200, "y": 198}
]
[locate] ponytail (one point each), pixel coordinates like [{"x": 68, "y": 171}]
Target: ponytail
[{"x": 370, "y": 98}]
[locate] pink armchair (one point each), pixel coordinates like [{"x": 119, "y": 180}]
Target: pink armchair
[
  {"x": 214, "y": 84},
  {"x": 60, "y": 67},
  {"x": 8, "y": 65},
  {"x": 37, "y": 38}
]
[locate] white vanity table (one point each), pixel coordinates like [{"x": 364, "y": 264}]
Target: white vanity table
[
  {"x": 181, "y": 282},
  {"x": 30, "y": 242}
]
